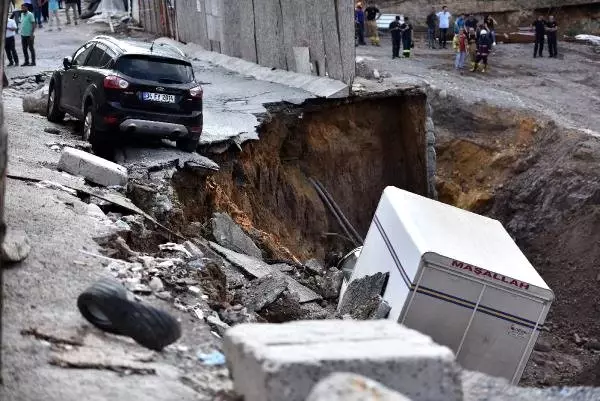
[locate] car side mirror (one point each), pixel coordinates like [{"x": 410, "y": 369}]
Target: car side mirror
[{"x": 67, "y": 62}]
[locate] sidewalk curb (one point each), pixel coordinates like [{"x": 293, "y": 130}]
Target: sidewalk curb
[{"x": 318, "y": 86}]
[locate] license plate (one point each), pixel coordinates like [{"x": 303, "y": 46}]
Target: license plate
[{"x": 158, "y": 97}]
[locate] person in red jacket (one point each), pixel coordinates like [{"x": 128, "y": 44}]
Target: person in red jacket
[{"x": 461, "y": 50}]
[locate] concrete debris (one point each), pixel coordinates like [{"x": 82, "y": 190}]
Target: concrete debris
[
  {"x": 268, "y": 360},
  {"x": 228, "y": 234},
  {"x": 93, "y": 168},
  {"x": 91, "y": 358},
  {"x": 330, "y": 284},
  {"x": 36, "y": 102},
  {"x": 16, "y": 246},
  {"x": 351, "y": 387},
  {"x": 237, "y": 314},
  {"x": 52, "y": 130},
  {"x": 216, "y": 324},
  {"x": 314, "y": 266},
  {"x": 286, "y": 308},
  {"x": 156, "y": 284},
  {"x": 363, "y": 296},
  {"x": 193, "y": 249},
  {"x": 179, "y": 249},
  {"x": 262, "y": 292},
  {"x": 256, "y": 268}
]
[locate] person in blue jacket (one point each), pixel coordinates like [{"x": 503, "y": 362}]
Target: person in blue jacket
[{"x": 359, "y": 17}]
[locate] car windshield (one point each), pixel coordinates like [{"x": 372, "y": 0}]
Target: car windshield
[{"x": 155, "y": 69}]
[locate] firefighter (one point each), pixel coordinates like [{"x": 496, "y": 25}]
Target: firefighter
[
  {"x": 396, "y": 37},
  {"x": 407, "y": 37},
  {"x": 483, "y": 50}
]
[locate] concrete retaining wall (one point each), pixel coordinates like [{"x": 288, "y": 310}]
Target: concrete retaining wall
[{"x": 273, "y": 33}]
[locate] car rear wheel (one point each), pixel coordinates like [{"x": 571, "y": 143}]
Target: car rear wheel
[
  {"x": 101, "y": 144},
  {"x": 52, "y": 109},
  {"x": 188, "y": 144}
]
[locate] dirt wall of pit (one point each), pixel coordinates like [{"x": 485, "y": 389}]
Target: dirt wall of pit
[{"x": 354, "y": 147}]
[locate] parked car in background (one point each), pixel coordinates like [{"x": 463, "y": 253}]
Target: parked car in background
[{"x": 121, "y": 89}]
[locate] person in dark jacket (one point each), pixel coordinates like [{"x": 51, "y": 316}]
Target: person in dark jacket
[
  {"x": 431, "y": 22},
  {"x": 551, "y": 31},
  {"x": 407, "y": 37},
  {"x": 483, "y": 50},
  {"x": 396, "y": 37},
  {"x": 540, "y": 31}
]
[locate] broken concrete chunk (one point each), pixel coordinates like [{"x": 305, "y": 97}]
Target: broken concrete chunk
[
  {"x": 193, "y": 249},
  {"x": 175, "y": 250},
  {"x": 237, "y": 314},
  {"x": 314, "y": 266},
  {"x": 351, "y": 387},
  {"x": 268, "y": 360},
  {"x": 363, "y": 296},
  {"x": 285, "y": 309},
  {"x": 93, "y": 168},
  {"x": 262, "y": 292},
  {"x": 228, "y": 234},
  {"x": 36, "y": 102},
  {"x": 216, "y": 324},
  {"x": 156, "y": 284},
  {"x": 330, "y": 284},
  {"x": 16, "y": 246},
  {"x": 257, "y": 269}
]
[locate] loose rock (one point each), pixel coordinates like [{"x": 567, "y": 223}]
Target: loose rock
[
  {"x": 36, "y": 102},
  {"x": 156, "y": 284},
  {"x": 330, "y": 284},
  {"x": 362, "y": 298},
  {"x": 542, "y": 346},
  {"x": 16, "y": 246},
  {"x": 217, "y": 324},
  {"x": 228, "y": 234},
  {"x": 352, "y": 387},
  {"x": 314, "y": 266},
  {"x": 237, "y": 314},
  {"x": 262, "y": 292}
]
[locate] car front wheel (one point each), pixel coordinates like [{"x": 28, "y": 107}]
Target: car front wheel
[
  {"x": 188, "y": 144},
  {"x": 53, "y": 111}
]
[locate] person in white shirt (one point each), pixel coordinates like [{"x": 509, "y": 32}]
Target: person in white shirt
[
  {"x": 9, "y": 42},
  {"x": 444, "y": 20}
]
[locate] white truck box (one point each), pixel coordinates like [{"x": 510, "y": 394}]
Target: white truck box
[{"x": 459, "y": 278}]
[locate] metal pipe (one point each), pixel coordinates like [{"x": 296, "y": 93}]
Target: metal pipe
[
  {"x": 327, "y": 203},
  {"x": 349, "y": 226}
]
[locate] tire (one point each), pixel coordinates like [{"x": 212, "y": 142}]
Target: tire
[
  {"x": 147, "y": 325},
  {"x": 101, "y": 144},
  {"x": 52, "y": 108},
  {"x": 87, "y": 303},
  {"x": 188, "y": 144}
]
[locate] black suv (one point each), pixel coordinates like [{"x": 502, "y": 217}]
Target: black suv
[{"x": 120, "y": 88}]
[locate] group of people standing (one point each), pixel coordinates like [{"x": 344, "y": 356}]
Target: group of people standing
[
  {"x": 545, "y": 28},
  {"x": 477, "y": 44},
  {"x": 24, "y": 22},
  {"x": 441, "y": 21},
  {"x": 366, "y": 17}
]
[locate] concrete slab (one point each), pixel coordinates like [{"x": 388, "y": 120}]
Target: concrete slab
[
  {"x": 276, "y": 362},
  {"x": 331, "y": 39},
  {"x": 247, "y": 32},
  {"x": 316, "y": 86},
  {"x": 269, "y": 34},
  {"x": 350, "y": 387},
  {"x": 93, "y": 168},
  {"x": 159, "y": 158}
]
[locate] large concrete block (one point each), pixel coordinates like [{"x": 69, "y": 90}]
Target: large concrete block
[
  {"x": 331, "y": 38},
  {"x": 92, "y": 168},
  {"x": 268, "y": 22},
  {"x": 246, "y": 27},
  {"x": 283, "y": 362}
]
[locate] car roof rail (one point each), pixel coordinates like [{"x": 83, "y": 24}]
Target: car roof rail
[
  {"x": 173, "y": 47},
  {"x": 108, "y": 39}
]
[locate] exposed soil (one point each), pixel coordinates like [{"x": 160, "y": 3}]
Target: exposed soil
[
  {"x": 541, "y": 182},
  {"x": 355, "y": 148}
]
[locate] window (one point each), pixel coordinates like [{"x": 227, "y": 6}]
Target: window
[
  {"x": 99, "y": 57},
  {"x": 155, "y": 69},
  {"x": 82, "y": 53}
]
